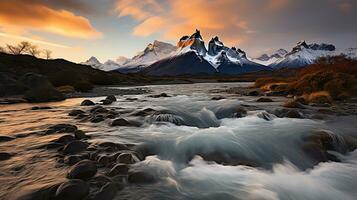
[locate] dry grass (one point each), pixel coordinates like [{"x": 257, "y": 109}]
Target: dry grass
[{"x": 321, "y": 97}]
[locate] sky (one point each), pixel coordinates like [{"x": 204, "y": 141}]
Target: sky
[{"x": 78, "y": 29}]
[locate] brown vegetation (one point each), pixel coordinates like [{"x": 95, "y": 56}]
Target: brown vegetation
[{"x": 331, "y": 78}]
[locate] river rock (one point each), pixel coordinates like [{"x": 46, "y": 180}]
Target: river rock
[
  {"x": 107, "y": 192},
  {"x": 127, "y": 158},
  {"x": 106, "y": 101},
  {"x": 79, "y": 134},
  {"x": 121, "y": 122},
  {"x": 240, "y": 112},
  {"x": 72, "y": 159},
  {"x": 293, "y": 104},
  {"x": 41, "y": 108},
  {"x": 5, "y": 156},
  {"x": 145, "y": 112},
  {"x": 75, "y": 112},
  {"x": 5, "y": 138},
  {"x": 159, "y": 95},
  {"x": 47, "y": 192},
  {"x": 264, "y": 99},
  {"x": 65, "y": 139},
  {"x": 118, "y": 169},
  {"x": 72, "y": 190},
  {"x": 75, "y": 147},
  {"x": 97, "y": 119},
  {"x": 294, "y": 114},
  {"x": 61, "y": 128},
  {"x": 114, "y": 146},
  {"x": 218, "y": 98},
  {"x": 87, "y": 102},
  {"x": 99, "y": 109},
  {"x": 111, "y": 98},
  {"x": 83, "y": 170}
]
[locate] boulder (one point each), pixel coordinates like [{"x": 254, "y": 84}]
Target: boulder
[
  {"x": 40, "y": 89},
  {"x": 65, "y": 139},
  {"x": 5, "y": 138},
  {"x": 72, "y": 190},
  {"x": 106, "y": 101},
  {"x": 121, "y": 122},
  {"x": 75, "y": 147},
  {"x": 111, "y": 98},
  {"x": 120, "y": 168},
  {"x": 294, "y": 114},
  {"x": 87, "y": 102},
  {"x": 99, "y": 109},
  {"x": 83, "y": 170},
  {"x": 79, "y": 134},
  {"x": 47, "y": 192},
  {"x": 127, "y": 158},
  {"x": 5, "y": 156},
  {"x": 159, "y": 95},
  {"x": 41, "y": 108},
  {"x": 75, "y": 112},
  {"x": 293, "y": 104},
  {"x": 72, "y": 159},
  {"x": 218, "y": 98},
  {"x": 62, "y": 128},
  {"x": 97, "y": 119},
  {"x": 240, "y": 112}
]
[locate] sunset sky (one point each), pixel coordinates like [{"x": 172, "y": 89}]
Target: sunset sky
[{"x": 78, "y": 29}]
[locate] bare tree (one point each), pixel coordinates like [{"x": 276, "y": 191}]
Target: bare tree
[
  {"x": 19, "y": 49},
  {"x": 33, "y": 50},
  {"x": 47, "y": 53}
]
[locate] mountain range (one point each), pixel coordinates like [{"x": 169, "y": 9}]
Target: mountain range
[{"x": 191, "y": 57}]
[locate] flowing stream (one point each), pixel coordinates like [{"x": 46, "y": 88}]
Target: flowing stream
[{"x": 190, "y": 124}]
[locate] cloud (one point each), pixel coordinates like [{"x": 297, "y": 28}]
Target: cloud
[
  {"x": 176, "y": 18},
  {"x": 26, "y": 15},
  {"x": 252, "y": 25}
]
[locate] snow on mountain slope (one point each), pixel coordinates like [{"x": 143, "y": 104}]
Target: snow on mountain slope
[
  {"x": 109, "y": 65},
  {"x": 304, "y": 54},
  {"x": 217, "y": 59},
  {"x": 153, "y": 52},
  {"x": 266, "y": 59}
]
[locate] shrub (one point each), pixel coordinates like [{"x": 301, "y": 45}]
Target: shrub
[{"x": 321, "y": 97}]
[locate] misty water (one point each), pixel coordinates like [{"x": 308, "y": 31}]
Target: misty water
[{"x": 276, "y": 166}]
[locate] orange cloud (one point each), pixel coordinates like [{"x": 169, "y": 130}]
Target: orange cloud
[
  {"x": 176, "y": 18},
  {"x": 31, "y": 16}
]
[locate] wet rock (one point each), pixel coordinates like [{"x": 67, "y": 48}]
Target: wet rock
[
  {"x": 318, "y": 144},
  {"x": 47, "y": 192},
  {"x": 79, "y": 134},
  {"x": 131, "y": 99},
  {"x": 224, "y": 158},
  {"x": 97, "y": 119},
  {"x": 266, "y": 116},
  {"x": 121, "y": 122},
  {"x": 75, "y": 147},
  {"x": 107, "y": 192},
  {"x": 159, "y": 95},
  {"x": 218, "y": 98},
  {"x": 72, "y": 190},
  {"x": 53, "y": 145},
  {"x": 140, "y": 177},
  {"x": 83, "y": 170},
  {"x": 5, "y": 156},
  {"x": 106, "y": 101},
  {"x": 294, "y": 114},
  {"x": 254, "y": 93},
  {"x": 65, "y": 139},
  {"x": 61, "y": 128},
  {"x": 350, "y": 142},
  {"x": 5, "y": 138},
  {"x": 127, "y": 158},
  {"x": 264, "y": 99},
  {"x": 75, "y": 112},
  {"x": 72, "y": 159},
  {"x": 240, "y": 112},
  {"x": 104, "y": 160},
  {"x": 111, "y": 98},
  {"x": 99, "y": 109},
  {"x": 115, "y": 146},
  {"x": 293, "y": 104},
  {"x": 41, "y": 108},
  {"x": 87, "y": 102},
  {"x": 145, "y": 112},
  {"x": 100, "y": 180},
  {"x": 118, "y": 169}
]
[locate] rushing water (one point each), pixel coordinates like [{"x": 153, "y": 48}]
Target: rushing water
[{"x": 282, "y": 170}]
